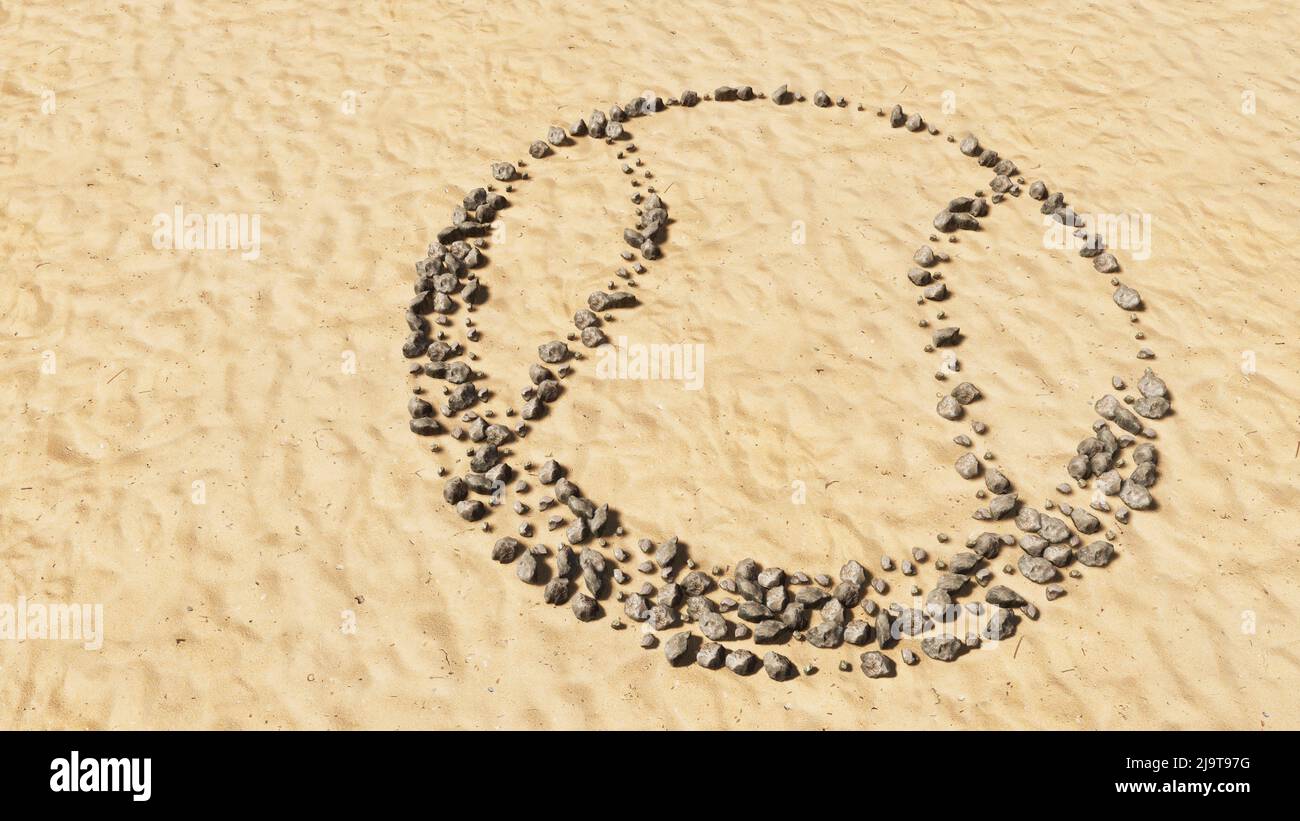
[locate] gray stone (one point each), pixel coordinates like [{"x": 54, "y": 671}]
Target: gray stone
[
  {"x": 1151, "y": 407},
  {"x": 996, "y": 482},
  {"x": 1003, "y": 505},
  {"x": 711, "y": 656},
  {"x": 769, "y": 632},
  {"x": 636, "y": 607},
  {"x": 811, "y": 596},
  {"x": 966, "y": 393},
  {"x": 857, "y": 632},
  {"x": 741, "y": 662},
  {"x": 713, "y": 626},
  {"x": 1109, "y": 408},
  {"x": 585, "y": 607},
  {"x": 1144, "y": 474},
  {"x": 795, "y": 616},
  {"x": 953, "y": 582},
  {"x": 949, "y": 408},
  {"x": 526, "y": 569},
  {"x": 1000, "y": 626},
  {"x": 1152, "y": 386},
  {"x": 912, "y": 622},
  {"x": 1096, "y": 554},
  {"x": 471, "y": 510},
  {"x": 606, "y": 300},
  {"x": 754, "y": 612},
  {"x": 556, "y": 591},
  {"x": 1058, "y": 554},
  {"x": 1029, "y": 520},
  {"x": 1127, "y": 298},
  {"x": 505, "y": 550},
  {"x": 1034, "y": 544},
  {"x": 876, "y": 664},
  {"x": 778, "y": 667},
  {"x": 942, "y": 648},
  {"x": 776, "y": 599},
  {"x": 1054, "y": 530},
  {"x": 938, "y": 604},
  {"x": 945, "y": 336},
  {"x": 826, "y": 635},
  {"x": 1105, "y": 263},
  {"x": 1109, "y": 482},
  {"x": 986, "y": 545},
  {"x": 847, "y": 594},
  {"x": 677, "y": 646},
  {"x": 854, "y": 573},
  {"x": 1135, "y": 496},
  {"x": 698, "y": 607},
  {"x": 1084, "y": 521},
  {"x": 963, "y": 562},
  {"x": 884, "y": 630},
  {"x": 662, "y": 617},
  {"x": 1079, "y": 468},
  {"x": 1037, "y": 570},
  {"x": 553, "y": 352},
  {"x": 1004, "y": 596},
  {"x": 456, "y": 490}
]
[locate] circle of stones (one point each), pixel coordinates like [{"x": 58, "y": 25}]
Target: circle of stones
[{"x": 778, "y": 605}]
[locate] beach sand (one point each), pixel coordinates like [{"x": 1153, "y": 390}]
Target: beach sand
[{"x": 216, "y": 448}]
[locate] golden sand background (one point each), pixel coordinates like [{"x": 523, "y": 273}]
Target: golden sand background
[{"x": 177, "y": 367}]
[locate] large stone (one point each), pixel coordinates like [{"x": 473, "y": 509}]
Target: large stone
[
  {"x": 769, "y": 632},
  {"x": 1000, "y": 626},
  {"x": 1135, "y": 496},
  {"x": 713, "y": 626},
  {"x": 778, "y": 667},
  {"x": 949, "y": 408},
  {"x": 942, "y": 648},
  {"x": 711, "y": 656},
  {"x": 1127, "y": 298},
  {"x": 1096, "y": 554},
  {"x": 1037, "y": 570},
  {"x": 553, "y": 352},
  {"x": 857, "y": 632},
  {"x": 826, "y": 635},
  {"x": 968, "y": 466},
  {"x": 676, "y": 647},
  {"x": 741, "y": 662},
  {"x": 876, "y": 664},
  {"x": 585, "y": 607},
  {"x": 1004, "y": 596}
]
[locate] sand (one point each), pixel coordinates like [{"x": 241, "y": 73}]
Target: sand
[{"x": 321, "y": 582}]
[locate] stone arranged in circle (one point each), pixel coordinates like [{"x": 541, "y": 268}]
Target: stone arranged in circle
[{"x": 781, "y": 606}]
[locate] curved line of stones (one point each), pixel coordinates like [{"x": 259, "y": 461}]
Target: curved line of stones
[{"x": 1047, "y": 542}]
